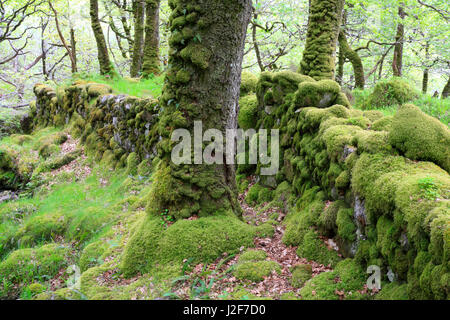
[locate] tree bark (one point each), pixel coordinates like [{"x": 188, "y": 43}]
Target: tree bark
[
  {"x": 340, "y": 70},
  {"x": 138, "y": 49},
  {"x": 103, "y": 56},
  {"x": 325, "y": 19},
  {"x": 354, "y": 59},
  {"x": 446, "y": 91},
  {"x": 202, "y": 84},
  {"x": 151, "y": 64},
  {"x": 397, "y": 61}
]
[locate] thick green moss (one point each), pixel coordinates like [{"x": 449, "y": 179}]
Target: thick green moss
[
  {"x": 300, "y": 274},
  {"x": 395, "y": 91},
  {"x": 204, "y": 240},
  {"x": 92, "y": 255},
  {"x": 256, "y": 271},
  {"x": 345, "y": 225},
  {"x": 248, "y": 112},
  {"x": 25, "y": 266},
  {"x": 248, "y": 83},
  {"x": 420, "y": 137},
  {"x": 321, "y": 94},
  {"x": 253, "y": 255},
  {"x": 393, "y": 291},
  {"x": 314, "y": 249}
]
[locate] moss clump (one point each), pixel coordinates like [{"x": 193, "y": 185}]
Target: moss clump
[
  {"x": 253, "y": 194},
  {"x": 197, "y": 54},
  {"x": 132, "y": 164},
  {"x": 24, "y": 266},
  {"x": 313, "y": 249},
  {"x": 383, "y": 124},
  {"x": 92, "y": 255},
  {"x": 393, "y": 291},
  {"x": 300, "y": 274},
  {"x": 420, "y": 137},
  {"x": 256, "y": 271},
  {"x": 344, "y": 282},
  {"x": 253, "y": 255},
  {"x": 391, "y": 92},
  {"x": 41, "y": 228},
  {"x": 248, "y": 112},
  {"x": 204, "y": 240},
  {"x": 47, "y": 150},
  {"x": 248, "y": 83},
  {"x": 321, "y": 94},
  {"x": 95, "y": 89},
  {"x": 345, "y": 225}
]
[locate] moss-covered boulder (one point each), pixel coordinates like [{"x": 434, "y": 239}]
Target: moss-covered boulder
[
  {"x": 321, "y": 94},
  {"x": 395, "y": 91},
  {"x": 420, "y": 137},
  {"x": 203, "y": 240}
]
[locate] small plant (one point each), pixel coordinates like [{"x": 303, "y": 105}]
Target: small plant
[
  {"x": 166, "y": 219},
  {"x": 429, "y": 188}
]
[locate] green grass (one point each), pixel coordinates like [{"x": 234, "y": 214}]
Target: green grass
[
  {"x": 435, "y": 107},
  {"x": 143, "y": 88}
]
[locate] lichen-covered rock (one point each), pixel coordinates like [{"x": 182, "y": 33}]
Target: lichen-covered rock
[{"x": 420, "y": 137}]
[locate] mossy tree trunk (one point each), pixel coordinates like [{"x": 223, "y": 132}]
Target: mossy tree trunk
[
  {"x": 202, "y": 84},
  {"x": 446, "y": 91},
  {"x": 397, "y": 60},
  {"x": 325, "y": 17},
  {"x": 354, "y": 59},
  {"x": 103, "y": 56},
  {"x": 151, "y": 45},
  {"x": 138, "y": 47},
  {"x": 425, "y": 78}
]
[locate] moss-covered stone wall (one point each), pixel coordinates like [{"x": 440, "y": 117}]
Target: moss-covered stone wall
[
  {"x": 110, "y": 126},
  {"x": 378, "y": 186}
]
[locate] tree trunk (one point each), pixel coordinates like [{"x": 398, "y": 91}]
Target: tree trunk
[
  {"x": 256, "y": 45},
  {"x": 103, "y": 56},
  {"x": 202, "y": 84},
  {"x": 446, "y": 91},
  {"x": 138, "y": 49},
  {"x": 397, "y": 61},
  {"x": 151, "y": 47},
  {"x": 73, "y": 44},
  {"x": 355, "y": 60},
  {"x": 323, "y": 29},
  {"x": 425, "y": 80},
  {"x": 341, "y": 64}
]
